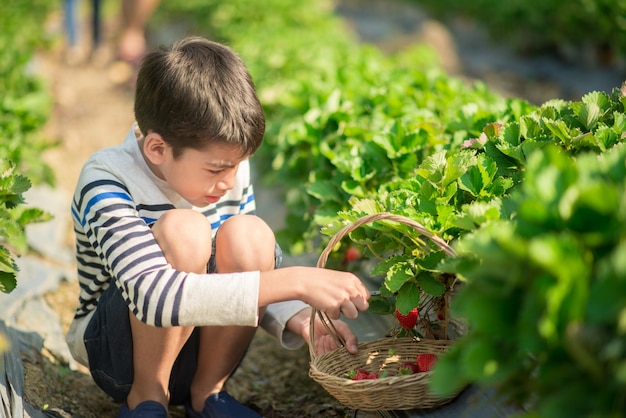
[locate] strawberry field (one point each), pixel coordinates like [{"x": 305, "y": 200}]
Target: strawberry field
[{"x": 530, "y": 196}]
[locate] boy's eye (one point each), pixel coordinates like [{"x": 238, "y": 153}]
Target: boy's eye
[{"x": 215, "y": 172}]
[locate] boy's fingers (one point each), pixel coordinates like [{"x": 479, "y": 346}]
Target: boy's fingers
[
  {"x": 333, "y": 313},
  {"x": 349, "y": 310},
  {"x": 361, "y": 304}
]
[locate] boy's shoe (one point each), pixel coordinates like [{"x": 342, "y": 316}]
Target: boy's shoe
[
  {"x": 146, "y": 409},
  {"x": 221, "y": 405}
]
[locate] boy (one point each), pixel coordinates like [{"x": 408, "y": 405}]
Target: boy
[{"x": 176, "y": 271}]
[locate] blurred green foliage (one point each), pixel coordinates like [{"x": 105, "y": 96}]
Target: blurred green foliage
[
  {"x": 545, "y": 25},
  {"x": 25, "y": 105},
  {"x": 25, "y": 101}
]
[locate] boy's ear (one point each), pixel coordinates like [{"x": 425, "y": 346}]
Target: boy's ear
[{"x": 154, "y": 148}]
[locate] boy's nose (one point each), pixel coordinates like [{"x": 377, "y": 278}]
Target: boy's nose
[{"x": 226, "y": 182}]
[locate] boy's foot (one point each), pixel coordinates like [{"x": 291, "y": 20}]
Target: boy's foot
[
  {"x": 146, "y": 409},
  {"x": 221, "y": 405}
]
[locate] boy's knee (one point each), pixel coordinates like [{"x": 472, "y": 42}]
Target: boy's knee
[
  {"x": 245, "y": 242},
  {"x": 184, "y": 234},
  {"x": 242, "y": 229}
]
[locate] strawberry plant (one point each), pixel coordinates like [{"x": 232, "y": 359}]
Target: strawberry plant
[
  {"x": 26, "y": 102},
  {"x": 545, "y": 290},
  {"x": 24, "y": 108},
  {"x": 455, "y": 191},
  {"x": 13, "y": 219}
]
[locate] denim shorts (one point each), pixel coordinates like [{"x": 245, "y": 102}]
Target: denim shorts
[{"x": 109, "y": 345}]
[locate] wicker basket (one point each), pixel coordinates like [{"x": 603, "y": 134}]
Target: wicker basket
[{"x": 389, "y": 393}]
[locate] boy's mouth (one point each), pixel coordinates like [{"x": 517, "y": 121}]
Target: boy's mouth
[{"x": 212, "y": 199}]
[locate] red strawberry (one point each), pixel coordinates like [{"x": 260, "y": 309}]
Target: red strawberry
[
  {"x": 425, "y": 361},
  {"x": 361, "y": 374},
  {"x": 408, "y": 368},
  {"x": 441, "y": 315},
  {"x": 409, "y": 320},
  {"x": 352, "y": 254}
]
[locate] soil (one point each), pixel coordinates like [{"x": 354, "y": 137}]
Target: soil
[{"x": 92, "y": 110}]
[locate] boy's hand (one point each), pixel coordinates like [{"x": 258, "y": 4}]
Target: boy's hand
[
  {"x": 324, "y": 342},
  {"x": 330, "y": 291},
  {"x": 334, "y": 292}
]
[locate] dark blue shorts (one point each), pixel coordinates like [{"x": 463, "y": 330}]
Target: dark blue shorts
[{"x": 109, "y": 345}]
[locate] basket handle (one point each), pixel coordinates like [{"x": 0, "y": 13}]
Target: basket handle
[{"x": 325, "y": 320}]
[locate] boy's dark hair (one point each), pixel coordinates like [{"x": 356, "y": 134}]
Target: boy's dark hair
[{"x": 198, "y": 92}]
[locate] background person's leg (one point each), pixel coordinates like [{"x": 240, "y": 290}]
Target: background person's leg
[{"x": 131, "y": 45}]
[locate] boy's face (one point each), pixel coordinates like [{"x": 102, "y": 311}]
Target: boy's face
[{"x": 200, "y": 177}]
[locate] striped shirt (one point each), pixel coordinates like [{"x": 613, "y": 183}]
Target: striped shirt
[{"x": 116, "y": 200}]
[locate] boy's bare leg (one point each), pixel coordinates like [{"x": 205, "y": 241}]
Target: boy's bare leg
[
  {"x": 185, "y": 238},
  {"x": 244, "y": 243}
]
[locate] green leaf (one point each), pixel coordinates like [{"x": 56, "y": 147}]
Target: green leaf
[
  {"x": 592, "y": 108},
  {"x": 381, "y": 305},
  {"x": 430, "y": 285},
  {"x": 559, "y": 129},
  {"x": 408, "y": 297},
  {"x": 8, "y": 271},
  {"x": 457, "y": 164},
  {"x": 8, "y": 282},
  {"x": 433, "y": 168},
  {"x": 325, "y": 190},
  {"x": 397, "y": 275},
  {"x": 606, "y": 137},
  {"x": 384, "y": 266},
  {"x": 479, "y": 177},
  {"x": 367, "y": 207}
]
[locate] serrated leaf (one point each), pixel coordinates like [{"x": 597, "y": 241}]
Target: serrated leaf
[
  {"x": 457, "y": 164},
  {"x": 559, "y": 129},
  {"x": 606, "y": 137},
  {"x": 592, "y": 108},
  {"x": 431, "y": 260},
  {"x": 408, "y": 298},
  {"x": 397, "y": 275},
  {"x": 384, "y": 266},
  {"x": 8, "y": 282},
  {"x": 530, "y": 126},
  {"x": 8, "y": 271},
  {"x": 367, "y": 207},
  {"x": 430, "y": 285},
  {"x": 433, "y": 168}
]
